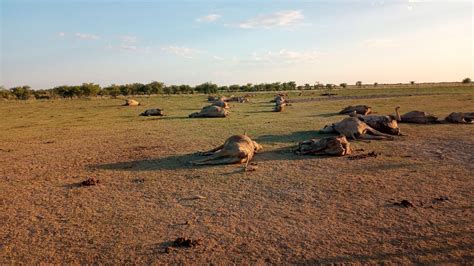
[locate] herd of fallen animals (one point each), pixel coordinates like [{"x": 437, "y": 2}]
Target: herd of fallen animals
[{"x": 359, "y": 125}]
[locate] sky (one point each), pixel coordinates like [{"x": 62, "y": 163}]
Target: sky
[{"x": 47, "y": 43}]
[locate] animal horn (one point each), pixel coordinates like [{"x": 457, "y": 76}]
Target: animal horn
[
  {"x": 397, "y": 114},
  {"x": 245, "y": 132}
]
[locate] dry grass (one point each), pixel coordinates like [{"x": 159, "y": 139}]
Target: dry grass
[{"x": 290, "y": 210}]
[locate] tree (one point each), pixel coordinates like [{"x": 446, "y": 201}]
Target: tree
[
  {"x": 234, "y": 88},
  {"x": 167, "y": 90},
  {"x": 206, "y": 88},
  {"x": 89, "y": 89},
  {"x": 155, "y": 87},
  {"x": 344, "y": 85},
  {"x": 466, "y": 80},
  {"x": 184, "y": 89},
  {"x": 43, "y": 94},
  {"x": 21, "y": 93},
  {"x": 307, "y": 86},
  {"x": 375, "y": 84},
  {"x": 112, "y": 90},
  {"x": 359, "y": 83},
  {"x": 5, "y": 94},
  {"x": 412, "y": 82}
]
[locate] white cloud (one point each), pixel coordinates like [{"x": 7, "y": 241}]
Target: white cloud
[
  {"x": 218, "y": 58},
  {"x": 278, "y": 19},
  {"x": 134, "y": 48},
  {"x": 209, "y": 18},
  {"x": 282, "y": 56},
  {"x": 180, "y": 51},
  {"x": 128, "y": 39},
  {"x": 87, "y": 36},
  {"x": 286, "y": 56},
  {"x": 382, "y": 43},
  {"x": 61, "y": 34}
]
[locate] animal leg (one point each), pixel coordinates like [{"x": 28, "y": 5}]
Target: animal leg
[
  {"x": 372, "y": 137},
  {"x": 210, "y": 152},
  {"x": 378, "y": 134},
  {"x": 219, "y": 160},
  {"x": 214, "y": 156}
]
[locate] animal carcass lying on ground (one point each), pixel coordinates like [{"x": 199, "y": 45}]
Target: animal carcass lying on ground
[
  {"x": 462, "y": 118},
  {"x": 352, "y": 127},
  {"x": 359, "y": 109},
  {"x": 279, "y": 107},
  {"x": 130, "y": 102},
  {"x": 337, "y": 146},
  {"x": 236, "y": 149},
  {"x": 221, "y": 104},
  {"x": 210, "y": 111},
  {"x": 239, "y": 99},
  {"x": 153, "y": 112},
  {"x": 279, "y": 99},
  {"x": 384, "y": 123},
  {"x": 212, "y": 98},
  {"x": 416, "y": 117}
]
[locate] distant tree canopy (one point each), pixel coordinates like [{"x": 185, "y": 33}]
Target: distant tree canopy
[{"x": 155, "y": 87}]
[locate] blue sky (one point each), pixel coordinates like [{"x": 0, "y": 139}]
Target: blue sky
[{"x": 51, "y": 43}]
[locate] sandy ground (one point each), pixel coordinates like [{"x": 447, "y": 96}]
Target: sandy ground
[{"x": 292, "y": 209}]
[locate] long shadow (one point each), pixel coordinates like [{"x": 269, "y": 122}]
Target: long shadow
[
  {"x": 173, "y": 117},
  {"x": 327, "y": 115},
  {"x": 293, "y": 137},
  {"x": 167, "y": 163},
  {"x": 258, "y": 112},
  {"x": 285, "y": 154}
]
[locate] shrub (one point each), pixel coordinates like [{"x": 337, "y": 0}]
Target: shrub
[
  {"x": 359, "y": 83},
  {"x": 344, "y": 85},
  {"x": 21, "y": 93},
  {"x": 466, "y": 80}
]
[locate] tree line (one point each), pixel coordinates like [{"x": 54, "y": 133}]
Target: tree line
[
  {"x": 92, "y": 90},
  {"x": 155, "y": 87}
]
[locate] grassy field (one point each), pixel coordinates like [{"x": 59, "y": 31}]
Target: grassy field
[{"x": 292, "y": 209}]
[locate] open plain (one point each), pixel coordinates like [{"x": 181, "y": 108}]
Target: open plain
[{"x": 289, "y": 209}]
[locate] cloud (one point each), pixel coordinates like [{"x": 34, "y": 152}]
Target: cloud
[
  {"x": 278, "y": 19},
  {"x": 382, "y": 43},
  {"x": 86, "y": 36},
  {"x": 283, "y": 56},
  {"x": 180, "y": 51},
  {"x": 286, "y": 56},
  {"x": 209, "y": 18},
  {"x": 218, "y": 58},
  {"x": 61, "y": 34},
  {"x": 134, "y": 48},
  {"x": 128, "y": 39}
]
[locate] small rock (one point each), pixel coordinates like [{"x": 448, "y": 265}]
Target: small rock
[
  {"x": 90, "y": 182},
  {"x": 404, "y": 203},
  {"x": 185, "y": 242}
]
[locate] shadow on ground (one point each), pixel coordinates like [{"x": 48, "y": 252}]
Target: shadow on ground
[
  {"x": 176, "y": 162},
  {"x": 294, "y": 137}
]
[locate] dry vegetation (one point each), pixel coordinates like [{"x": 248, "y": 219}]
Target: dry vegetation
[{"x": 290, "y": 209}]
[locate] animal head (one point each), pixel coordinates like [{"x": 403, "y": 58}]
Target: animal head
[
  {"x": 328, "y": 146},
  {"x": 392, "y": 126},
  {"x": 257, "y": 147},
  {"x": 328, "y": 129}
]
